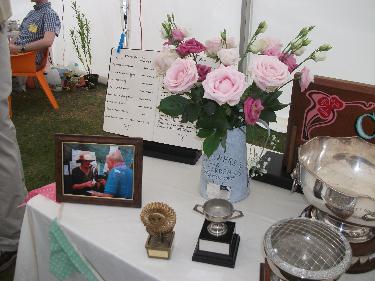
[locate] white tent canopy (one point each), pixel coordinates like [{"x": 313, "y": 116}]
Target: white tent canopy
[{"x": 345, "y": 24}]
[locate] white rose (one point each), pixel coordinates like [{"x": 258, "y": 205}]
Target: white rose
[
  {"x": 228, "y": 56},
  {"x": 258, "y": 46},
  {"x": 319, "y": 56},
  {"x": 231, "y": 43},
  {"x": 163, "y": 60},
  {"x": 300, "y": 51}
]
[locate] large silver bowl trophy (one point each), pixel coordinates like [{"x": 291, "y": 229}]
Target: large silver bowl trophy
[
  {"x": 301, "y": 248},
  {"x": 337, "y": 176}
]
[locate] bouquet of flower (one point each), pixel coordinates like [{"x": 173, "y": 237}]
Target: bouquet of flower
[{"x": 218, "y": 99}]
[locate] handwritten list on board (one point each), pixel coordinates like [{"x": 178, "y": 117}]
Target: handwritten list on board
[{"x": 133, "y": 94}]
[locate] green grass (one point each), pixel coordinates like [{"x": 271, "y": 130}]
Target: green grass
[
  {"x": 7, "y": 275},
  {"x": 81, "y": 112}
]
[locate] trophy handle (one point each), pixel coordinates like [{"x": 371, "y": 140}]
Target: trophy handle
[
  {"x": 197, "y": 210},
  {"x": 239, "y": 215},
  {"x": 369, "y": 217}
]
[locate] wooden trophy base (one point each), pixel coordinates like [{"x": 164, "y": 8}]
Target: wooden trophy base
[
  {"x": 265, "y": 272},
  {"x": 159, "y": 248},
  {"x": 216, "y": 258}
]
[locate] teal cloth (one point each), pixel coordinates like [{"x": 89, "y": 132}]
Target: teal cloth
[{"x": 64, "y": 257}]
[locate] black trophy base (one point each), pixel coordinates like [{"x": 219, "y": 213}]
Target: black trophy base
[
  {"x": 276, "y": 173},
  {"x": 218, "y": 259},
  {"x": 171, "y": 152}
]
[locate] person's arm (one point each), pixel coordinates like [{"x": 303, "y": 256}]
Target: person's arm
[
  {"x": 99, "y": 194},
  {"x": 43, "y": 43},
  {"x": 82, "y": 185}
]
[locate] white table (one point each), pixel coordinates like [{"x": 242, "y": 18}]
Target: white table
[{"x": 113, "y": 238}]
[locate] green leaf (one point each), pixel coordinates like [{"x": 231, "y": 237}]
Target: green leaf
[
  {"x": 275, "y": 106},
  {"x": 220, "y": 119},
  {"x": 196, "y": 94},
  {"x": 205, "y": 122},
  {"x": 271, "y": 98},
  {"x": 204, "y": 133},
  {"x": 210, "y": 107},
  {"x": 268, "y": 116},
  {"x": 210, "y": 144},
  {"x": 224, "y": 141},
  {"x": 173, "y": 105},
  {"x": 190, "y": 113},
  {"x": 254, "y": 92}
]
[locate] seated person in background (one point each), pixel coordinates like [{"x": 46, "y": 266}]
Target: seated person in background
[
  {"x": 83, "y": 176},
  {"x": 37, "y": 30},
  {"x": 120, "y": 178}
]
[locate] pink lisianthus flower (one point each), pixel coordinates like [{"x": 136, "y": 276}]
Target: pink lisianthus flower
[
  {"x": 252, "y": 109},
  {"x": 203, "y": 70},
  {"x": 163, "y": 60},
  {"x": 273, "y": 47},
  {"x": 306, "y": 78},
  {"x": 268, "y": 73},
  {"x": 181, "y": 76},
  {"x": 190, "y": 46},
  {"x": 178, "y": 35},
  {"x": 289, "y": 60},
  {"x": 224, "y": 85},
  {"x": 213, "y": 46}
]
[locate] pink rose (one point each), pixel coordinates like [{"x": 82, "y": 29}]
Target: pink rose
[
  {"x": 273, "y": 47},
  {"x": 252, "y": 109},
  {"x": 268, "y": 73},
  {"x": 163, "y": 60},
  {"x": 190, "y": 46},
  {"x": 306, "y": 78},
  {"x": 181, "y": 76},
  {"x": 178, "y": 35},
  {"x": 289, "y": 60},
  {"x": 213, "y": 46},
  {"x": 203, "y": 70},
  {"x": 224, "y": 85},
  {"x": 228, "y": 56}
]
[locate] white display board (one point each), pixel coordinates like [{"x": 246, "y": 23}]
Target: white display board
[{"x": 133, "y": 94}]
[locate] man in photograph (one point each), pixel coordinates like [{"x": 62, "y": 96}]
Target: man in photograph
[
  {"x": 120, "y": 178},
  {"x": 12, "y": 185}
]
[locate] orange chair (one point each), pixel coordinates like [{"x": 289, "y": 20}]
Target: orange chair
[{"x": 24, "y": 65}]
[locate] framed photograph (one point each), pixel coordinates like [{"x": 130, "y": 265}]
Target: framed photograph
[{"x": 99, "y": 170}]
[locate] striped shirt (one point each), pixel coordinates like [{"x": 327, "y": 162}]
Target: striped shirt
[{"x": 36, "y": 23}]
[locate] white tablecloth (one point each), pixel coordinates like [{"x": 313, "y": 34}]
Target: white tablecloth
[{"x": 113, "y": 238}]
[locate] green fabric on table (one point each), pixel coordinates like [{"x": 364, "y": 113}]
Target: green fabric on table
[{"x": 64, "y": 257}]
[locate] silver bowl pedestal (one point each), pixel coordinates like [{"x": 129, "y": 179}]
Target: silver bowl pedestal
[{"x": 337, "y": 176}]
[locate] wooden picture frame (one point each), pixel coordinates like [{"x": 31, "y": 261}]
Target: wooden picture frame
[
  {"x": 328, "y": 107},
  {"x": 102, "y": 170}
]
